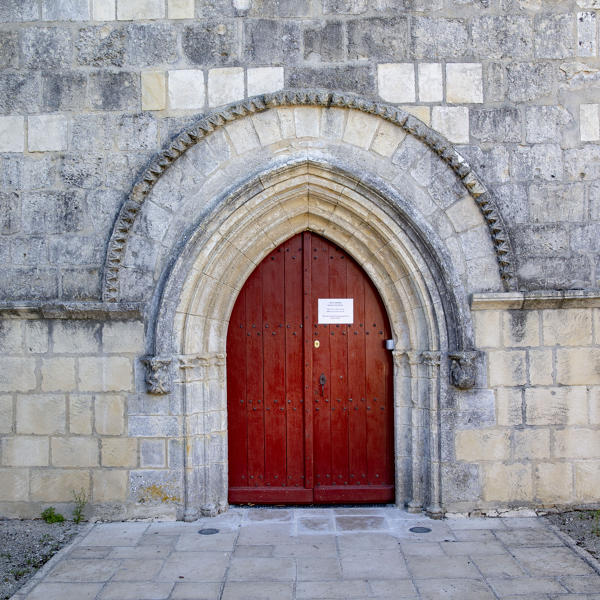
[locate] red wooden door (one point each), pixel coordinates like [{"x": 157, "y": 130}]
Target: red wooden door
[{"x": 309, "y": 403}]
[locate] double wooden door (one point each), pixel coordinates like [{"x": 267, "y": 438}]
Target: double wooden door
[{"x": 309, "y": 381}]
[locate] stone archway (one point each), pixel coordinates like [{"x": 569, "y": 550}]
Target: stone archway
[{"x": 222, "y": 205}]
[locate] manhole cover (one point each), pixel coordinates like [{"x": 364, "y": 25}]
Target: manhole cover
[
  {"x": 420, "y": 529},
  {"x": 208, "y": 531}
]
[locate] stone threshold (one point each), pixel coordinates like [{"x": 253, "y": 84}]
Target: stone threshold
[
  {"x": 536, "y": 299},
  {"x": 71, "y": 310}
]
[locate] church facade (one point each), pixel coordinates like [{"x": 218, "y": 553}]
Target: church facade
[{"x": 321, "y": 251}]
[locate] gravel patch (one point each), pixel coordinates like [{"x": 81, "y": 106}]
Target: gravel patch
[
  {"x": 583, "y": 526},
  {"x": 25, "y": 546}
]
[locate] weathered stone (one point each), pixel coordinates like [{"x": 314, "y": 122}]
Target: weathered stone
[
  {"x": 587, "y": 480},
  {"x": 554, "y": 203},
  {"x": 545, "y": 123},
  {"x": 495, "y": 124},
  {"x": 101, "y": 47},
  {"x": 119, "y": 452},
  {"x": 109, "y": 414},
  {"x": 42, "y": 415},
  {"x": 58, "y": 374},
  {"x": 186, "y": 89},
  {"x": 464, "y": 83},
  {"x": 14, "y": 11},
  {"x": 150, "y": 44},
  {"x": 225, "y": 86},
  {"x": 80, "y": 414},
  {"x": 19, "y": 93},
  {"x": 583, "y": 163},
  {"x": 485, "y": 444},
  {"x": 211, "y": 43},
  {"x": 396, "y": 82},
  {"x": 578, "y": 366},
  {"x": 104, "y": 10},
  {"x": 45, "y": 48},
  {"x": 128, "y": 10},
  {"x": 452, "y": 122},
  {"x": 47, "y": 132},
  {"x": 358, "y": 79},
  {"x": 324, "y": 42},
  {"x": 12, "y": 134},
  {"x": 554, "y": 36},
  {"x": 529, "y": 81},
  {"x": 507, "y": 483},
  {"x": 181, "y": 9},
  {"x": 556, "y": 406},
  {"x": 57, "y": 485},
  {"x": 270, "y": 41},
  {"x": 553, "y": 481},
  {"x": 264, "y": 80},
  {"x": 589, "y": 122},
  {"x": 586, "y": 34},
  {"x": 380, "y": 39},
  {"x": 74, "y": 452},
  {"x": 152, "y": 453},
  {"x": 9, "y": 57},
  {"x": 53, "y": 212},
  {"x": 540, "y": 240},
  {"x": 114, "y": 91},
  {"x": 541, "y": 161},
  {"x": 503, "y": 36},
  {"x": 109, "y": 486},
  {"x": 154, "y": 90},
  {"x": 63, "y": 91},
  {"x": 25, "y": 451},
  {"x": 431, "y": 88},
  {"x": 16, "y": 484},
  {"x": 438, "y": 38}
]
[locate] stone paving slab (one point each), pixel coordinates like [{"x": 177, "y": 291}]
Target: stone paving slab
[{"x": 318, "y": 554}]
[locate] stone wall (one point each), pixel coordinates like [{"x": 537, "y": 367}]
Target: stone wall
[{"x": 92, "y": 95}]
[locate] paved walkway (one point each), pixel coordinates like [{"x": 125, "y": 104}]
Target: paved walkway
[{"x": 285, "y": 554}]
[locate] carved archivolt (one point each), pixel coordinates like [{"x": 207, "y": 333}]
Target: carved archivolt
[{"x": 220, "y": 117}]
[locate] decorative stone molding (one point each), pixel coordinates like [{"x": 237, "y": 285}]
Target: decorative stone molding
[
  {"x": 319, "y": 98},
  {"x": 431, "y": 358},
  {"x": 159, "y": 377},
  {"x": 104, "y": 311},
  {"x": 463, "y": 368},
  {"x": 536, "y": 299}
]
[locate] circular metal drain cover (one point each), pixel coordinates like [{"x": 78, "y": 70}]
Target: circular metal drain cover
[
  {"x": 208, "y": 531},
  {"x": 420, "y": 529}
]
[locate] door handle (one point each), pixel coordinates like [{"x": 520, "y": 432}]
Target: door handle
[{"x": 322, "y": 382}]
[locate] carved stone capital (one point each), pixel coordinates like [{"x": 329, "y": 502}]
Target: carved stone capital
[
  {"x": 463, "y": 368},
  {"x": 159, "y": 377},
  {"x": 430, "y": 357}
]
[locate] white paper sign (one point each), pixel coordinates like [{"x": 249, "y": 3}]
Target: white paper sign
[{"x": 336, "y": 310}]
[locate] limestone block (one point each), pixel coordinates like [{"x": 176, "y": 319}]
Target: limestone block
[
  {"x": 6, "y": 414},
  {"x": 360, "y": 129},
  {"x": 387, "y": 139},
  {"x": 57, "y": 485},
  {"x": 509, "y": 406},
  {"x": 24, "y": 451},
  {"x": 577, "y": 443},
  {"x": 587, "y": 480},
  {"x": 133, "y": 10},
  {"x": 75, "y": 337},
  {"x": 225, "y": 85},
  {"x": 306, "y": 122},
  {"x": 567, "y": 327},
  {"x": 12, "y": 134},
  {"x": 507, "y": 368},
  {"x": 104, "y": 10},
  {"x": 36, "y": 337},
  {"x": 464, "y": 214},
  {"x": 119, "y": 452},
  {"x": 264, "y": 80},
  {"x": 595, "y": 406},
  {"x": 586, "y": 34},
  {"x": 553, "y": 482},
  {"x": 15, "y": 485},
  {"x": 105, "y": 374},
  {"x": 589, "y": 122},
  {"x": 80, "y": 414},
  {"x": 267, "y": 127},
  {"x": 541, "y": 368},
  {"x": 423, "y": 113},
  {"x": 431, "y": 88},
  {"x": 507, "y": 483},
  {"x": 181, "y": 9},
  {"x": 152, "y": 453},
  {"x": 482, "y": 444},
  {"x": 186, "y": 89},
  {"x": 123, "y": 337},
  {"x": 154, "y": 90},
  {"x": 487, "y": 328},
  {"x": 520, "y": 328},
  {"x": 556, "y": 406},
  {"x": 578, "y": 366},
  {"x": 65, "y": 10},
  {"x": 452, "y": 122},
  {"x": 287, "y": 121},
  {"x": 11, "y": 336},
  {"x": 396, "y": 82},
  {"x": 46, "y": 133},
  {"x": 110, "y": 415},
  {"x": 531, "y": 444},
  {"x": 41, "y": 414},
  {"x": 550, "y": 203},
  {"x": 464, "y": 83},
  {"x": 109, "y": 485},
  {"x": 74, "y": 452},
  {"x": 58, "y": 374},
  {"x": 243, "y": 136}
]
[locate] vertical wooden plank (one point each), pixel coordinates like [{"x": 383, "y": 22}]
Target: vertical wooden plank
[
  {"x": 236, "y": 395},
  {"x": 274, "y": 366},
  {"x": 254, "y": 379},
  {"x": 321, "y": 365},
  {"x": 339, "y": 372},
  {"x": 357, "y": 431},
  {"x": 294, "y": 367},
  {"x": 308, "y": 361},
  {"x": 376, "y": 374}
]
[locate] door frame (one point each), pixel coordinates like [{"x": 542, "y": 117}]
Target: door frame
[{"x": 427, "y": 307}]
